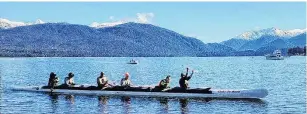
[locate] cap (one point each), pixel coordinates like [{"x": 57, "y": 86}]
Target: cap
[
  {"x": 71, "y": 74},
  {"x": 52, "y": 74}
]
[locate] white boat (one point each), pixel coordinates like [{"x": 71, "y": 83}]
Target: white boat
[
  {"x": 132, "y": 62},
  {"x": 275, "y": 56},
  {"x": 146, "y": 92}
]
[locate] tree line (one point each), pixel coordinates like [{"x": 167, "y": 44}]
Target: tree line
[{"x": 297, "y": 51}]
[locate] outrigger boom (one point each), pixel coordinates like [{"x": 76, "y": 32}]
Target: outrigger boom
[{"x": 148, "y": 92}]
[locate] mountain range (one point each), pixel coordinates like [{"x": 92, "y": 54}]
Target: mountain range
[
  {"x": 267, "y": 40},
  {"x": 132, "y": 39}
]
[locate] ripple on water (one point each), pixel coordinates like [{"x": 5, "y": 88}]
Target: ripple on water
[{"x": 285, "y": 81}]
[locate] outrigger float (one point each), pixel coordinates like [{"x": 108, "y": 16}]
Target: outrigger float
[{"x": 151, "y": 92}]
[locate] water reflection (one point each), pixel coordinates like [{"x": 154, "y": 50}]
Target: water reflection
[
  {"x": 54, "y": 102},
  {"x": 70, "y": 99},
  {"x": 126, "y": 100},
  {"x": 102, "y": 100},
  {"x": 163, "y": 101},
  {"x": 251, "y": 101},
  {"x": 126, "y": 104},
  {"x": 54, "y": 98},
  {"x": 164, "y": 104},
  {"x": 102, "y": 104},
  {"x": 184, "y": 104}
]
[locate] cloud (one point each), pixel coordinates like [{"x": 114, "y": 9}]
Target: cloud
[
  {"x": 144, "y": 17},
  {"x": 111, "y": 17}
]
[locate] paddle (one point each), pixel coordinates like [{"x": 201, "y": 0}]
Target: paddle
[{"x": 112, "y": 84}]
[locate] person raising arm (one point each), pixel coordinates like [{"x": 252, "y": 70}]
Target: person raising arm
[{"x": 184, "y": 79}]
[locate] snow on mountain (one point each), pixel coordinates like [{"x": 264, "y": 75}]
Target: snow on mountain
[
  {"x": 38, "y": 21},
  {"x": 5, "y": 23},
  {"x": 296, "y": 32},
  {"x": 254, "y": 40},
  {"x": 252, "y": 35},
  {"x": 103, "y": 25},
  {"x": 142, "y": 18}
]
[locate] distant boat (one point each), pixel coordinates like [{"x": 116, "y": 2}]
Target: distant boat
[
  {"x": 275, "y": 56},
  {"x": 132, "y": 62}
]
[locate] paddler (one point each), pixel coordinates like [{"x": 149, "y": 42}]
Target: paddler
[
  {"x": 53, "y": 80},
  {"x": 102, "y": 81},
  {"x": 126, "y": 81},
  {"x": 69, "y": 81},
  {"x": 164, "y": 84},
  {"x": 184, "y": 80}
]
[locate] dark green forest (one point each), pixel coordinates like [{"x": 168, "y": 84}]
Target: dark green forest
[{"x": 297, "y": 51}]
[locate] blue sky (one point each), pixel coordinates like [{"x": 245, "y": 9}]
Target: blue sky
[{"x": 207, "y": 21}]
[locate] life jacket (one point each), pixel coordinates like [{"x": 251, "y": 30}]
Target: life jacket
[
  {"x": 163, "y": 83},
  {"x": 125, "y": 82}
]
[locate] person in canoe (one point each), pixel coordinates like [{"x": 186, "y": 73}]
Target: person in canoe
[
  {"x": 184, "y": 80},
  {"x": 53, "y": 80},
  {"x": 126, "y": 81},
  {"x": 102, "y": 81},
  {"x": 164, "y": 83},
  {"x": 69, "y": 81}
]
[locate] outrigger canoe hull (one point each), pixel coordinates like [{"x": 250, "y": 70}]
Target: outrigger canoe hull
[{"x": 214, "y": 93}]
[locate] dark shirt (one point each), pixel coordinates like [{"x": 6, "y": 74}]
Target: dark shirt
[
  {"x": 182, "y": 81},
  {"x": 53, "y": 81}
]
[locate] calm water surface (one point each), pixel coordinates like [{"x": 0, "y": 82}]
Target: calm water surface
[{"x": 285, "y": 81}]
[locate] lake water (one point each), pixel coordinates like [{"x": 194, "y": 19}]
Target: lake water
[{"x": 285, "y": 80}]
